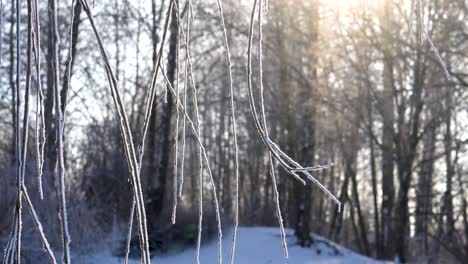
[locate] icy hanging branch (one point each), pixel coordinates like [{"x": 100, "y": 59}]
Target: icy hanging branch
[
  {"x": 270, "y": 157},
  {"x": 431, "y": 43},
  {"x": 129, "y": 234},
  {"x": 196, "y": 131},
  {"x": 176, "y": 150},
  {"x": 289, "y": 164},
  {"x": 234, "y": 127},
  {"x": 13, "y": 248},
  {"x": 40, "y": 118},
  {"x": 181, "y": 183},
  {"x": 59, "y": 131},
  {"x": 274, "y": 152},
  {"x": 74, "y": 13},
  {"x": 130, "y": 151},
  {"x": 205, "y": 161},
  {"x": 202, "y": 151},
  {"x": 39, "y": 228},
  {"x": 148, "y": 111},
  {"x": 154, "y": 77}
]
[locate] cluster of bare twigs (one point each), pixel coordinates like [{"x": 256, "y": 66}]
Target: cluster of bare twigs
[
  {"x": 274, "y": 151},
  {"x": 13, "y": 247}
]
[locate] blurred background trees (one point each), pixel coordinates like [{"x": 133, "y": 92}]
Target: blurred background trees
[{"x": 356, "y": 83}]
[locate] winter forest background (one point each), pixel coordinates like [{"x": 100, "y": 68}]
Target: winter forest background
[{"x": 192, "y": 117}]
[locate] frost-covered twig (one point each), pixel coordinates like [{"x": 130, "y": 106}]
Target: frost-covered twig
[
  {"x": 181, "y": 183},
  {"x": 129, "y": 234},
  {"x": 289, "y": 164},
  {"x": 198, "y": 130},
  {"x": 205, "y": 160},
  {"x": 234, "y": 127},
  {"x": 176, "y": 150},
  {"x": 202, "y": 153},
  {"x": 8, "y": 257},
  {"x": 70, "y": 53},
  {"x": 13, "y": 249},
  {"x": 265, "y": 127},
  {"x": 39, "y": 227},
  {"x": 431, "y": 43},
  {"x": 40, "y": 118},
  {"x": 59, "y": 131},
  {"x": 154, "y": 77},
  {"x": 130, "y": 151},
  {"x": 314, "y": 168},
  {"x": 148, "y": 110},
  {"x": 14, "y": 241}
]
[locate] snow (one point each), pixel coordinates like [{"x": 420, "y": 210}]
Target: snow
[{"x": 256, "y": 245}]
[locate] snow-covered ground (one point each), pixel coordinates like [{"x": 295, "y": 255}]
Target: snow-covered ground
[{"x": 255, "y": 245}]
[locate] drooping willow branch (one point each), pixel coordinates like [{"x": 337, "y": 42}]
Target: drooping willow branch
[
  {"x": 59, "y": 131},
  {"x": 431, "y": 43},
  {"x": 39, "y": 227},
  {"x": 40, "y": 118},
  {"x": 203, "y": 158},
  {"x": 202, "y": 152},
  {"x": 205, "y": 161},
  {"x": 148, "y": 110},
  {"x": 13, "y": 248},
  {"x": 289, "y": 164},
  {"x": 234, "y": 127},
  {"x": 130, "y": 150},
  {"x": 274, "y": 152},
  {"x": 176, "y": 149},
  {"x": 270, "y": 157}
]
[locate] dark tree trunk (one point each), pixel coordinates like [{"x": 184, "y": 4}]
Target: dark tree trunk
[
  {"x": 361, "y": 220},
  {"x": 162, "y": 154},
  {"x": 50, "y": 147},
  {"x": 337, "y": 216},
  {"x": 450, "y": 170},
  {"x": 406, "y": 148},
  {"x": 388, "y": 189},
  {"x": 12, "y": 78},
  {"x": 424, "y": 190}
]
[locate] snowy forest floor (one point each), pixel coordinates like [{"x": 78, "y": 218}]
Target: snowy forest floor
[{"x": 256, "y": 245}]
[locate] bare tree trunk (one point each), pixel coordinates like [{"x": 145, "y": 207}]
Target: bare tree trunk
[
  {"x": 337, "y": 216},
  {"x": 464, "y": 213},
  {"x": 406, "y": 153},
  {"x": 361, "y": 220},
  {"x": 223, "y": 174},
  {"x": 373, "y": 175},
  {"x": 304, "y": 193},
  {"x": 162, "y": 154},
  {"x": 12, "y": 77},
  {"x": 51, "y": 135},
  {"x": 424, "y": 189},
  {"x": 450, "y": 170},
  {"x": 388, "y": 189}
]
